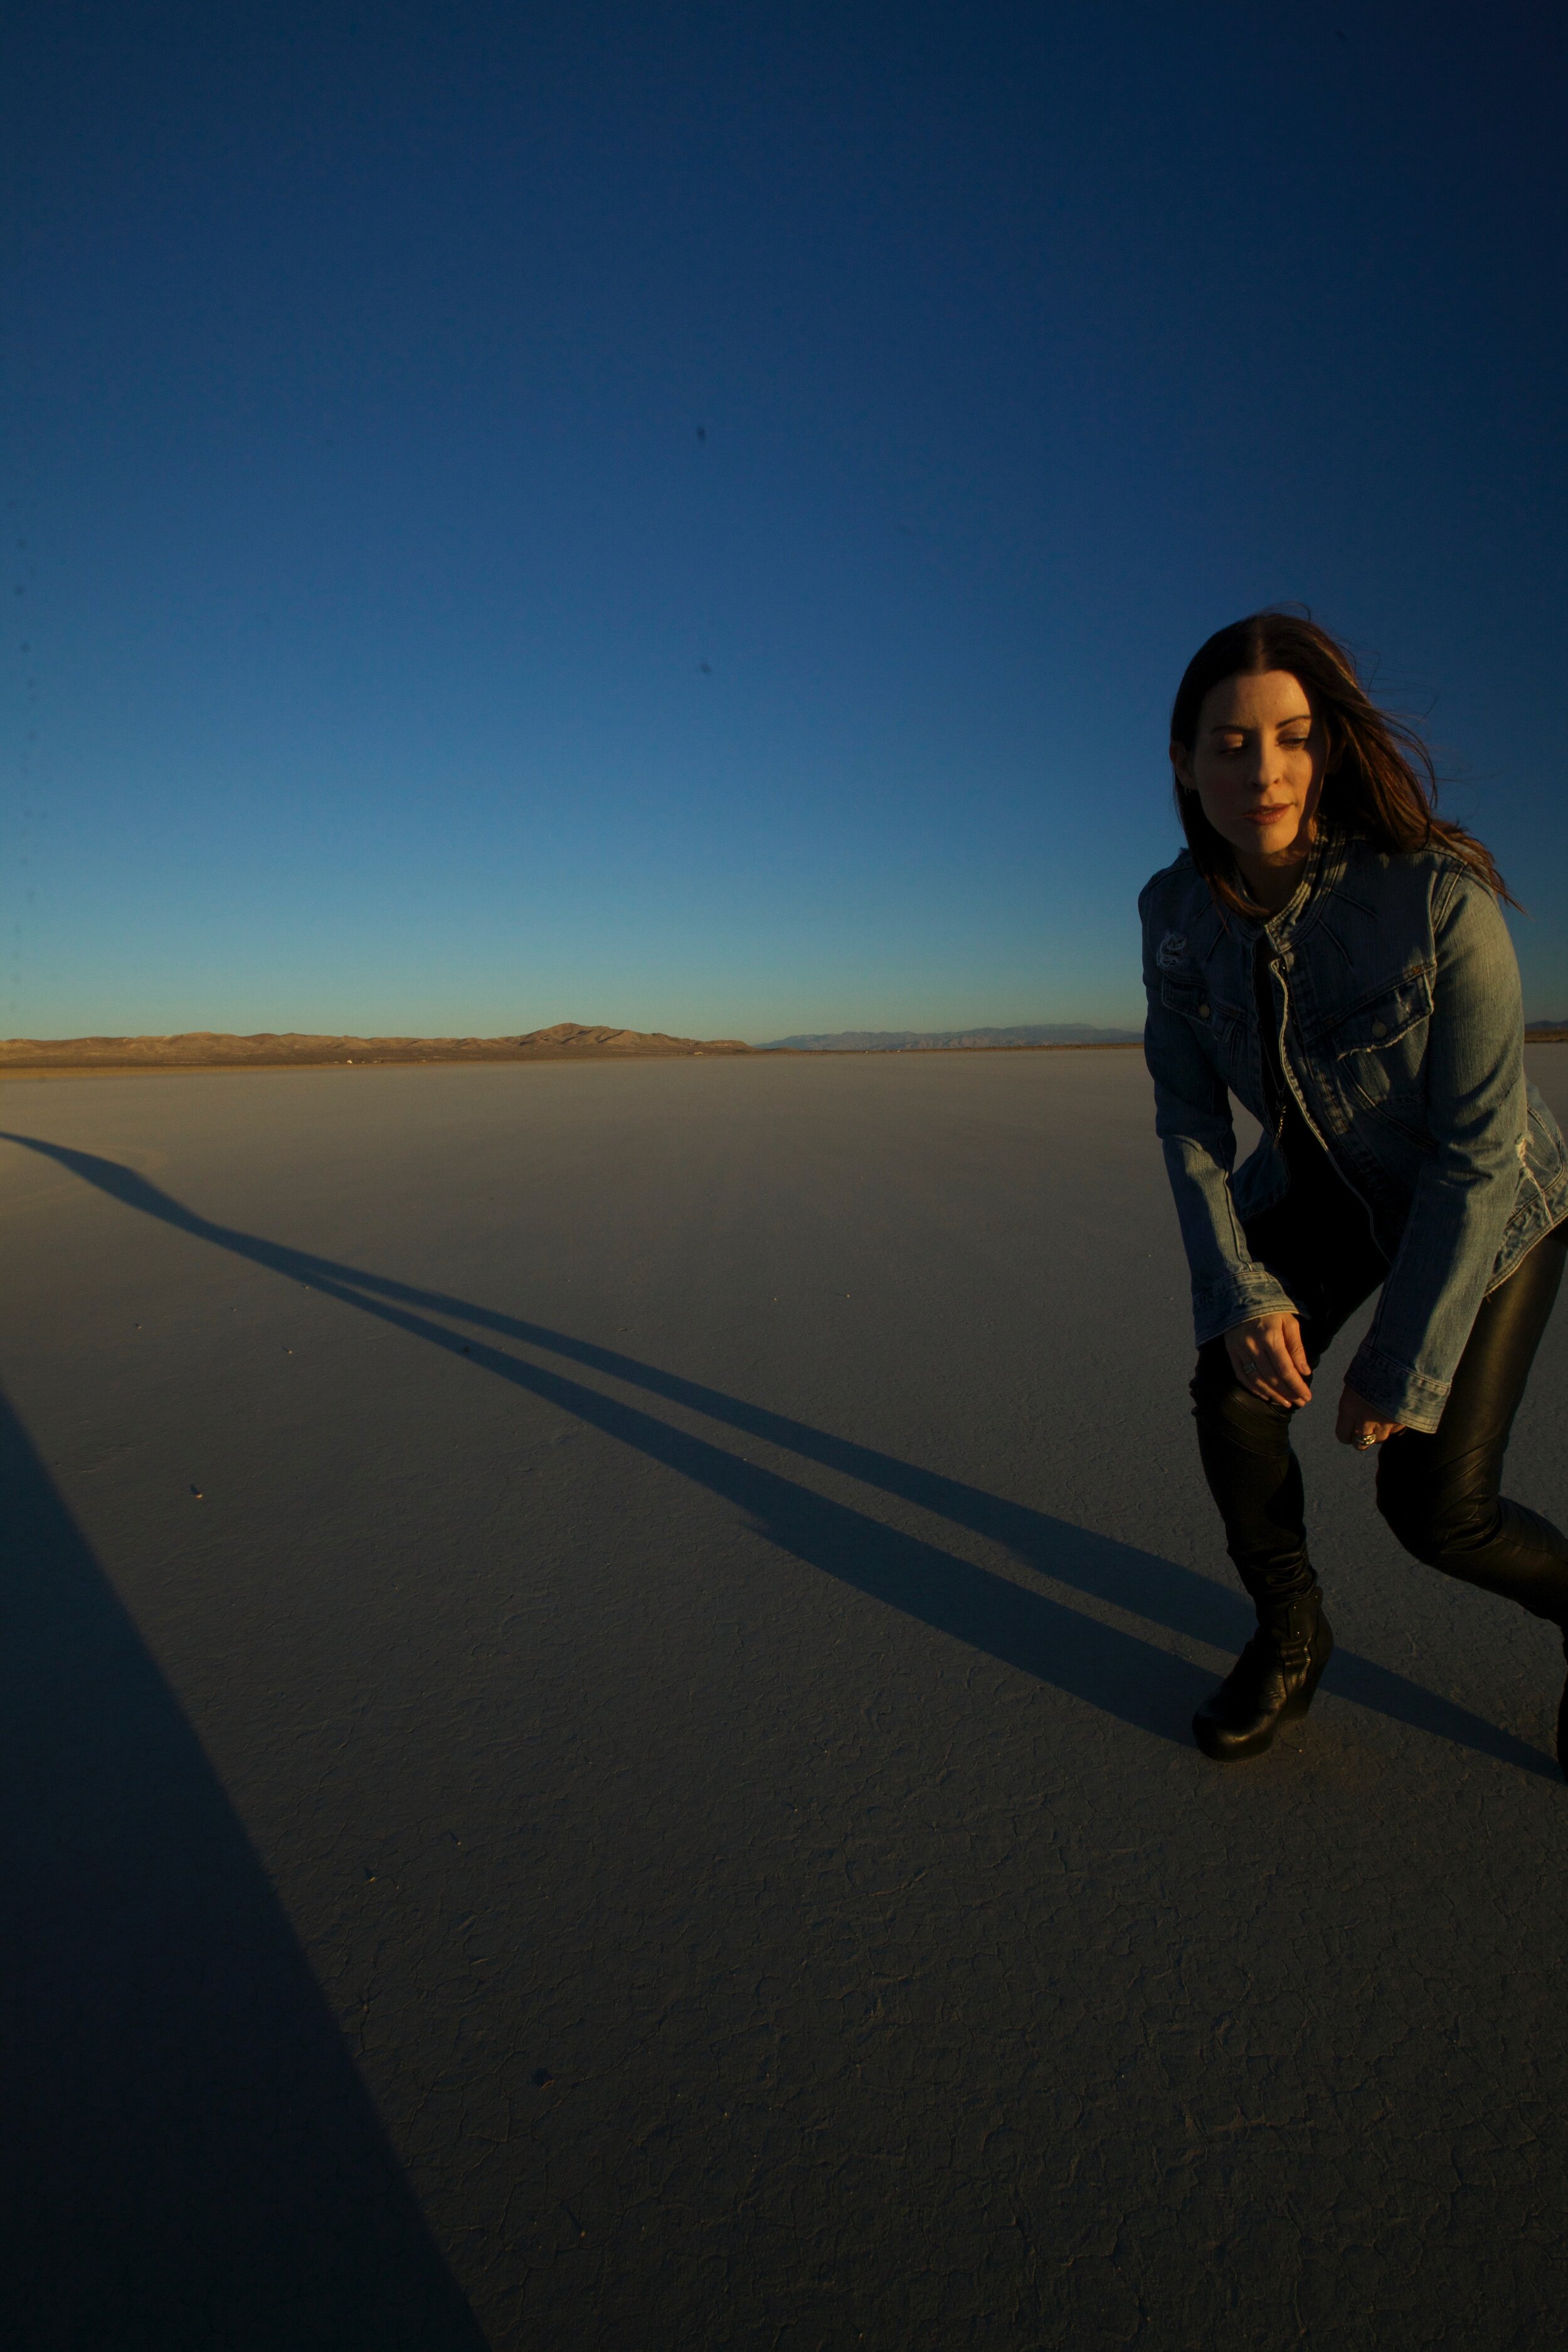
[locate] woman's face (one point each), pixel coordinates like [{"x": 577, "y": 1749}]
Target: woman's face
[{"x": 1258, "y": 766}]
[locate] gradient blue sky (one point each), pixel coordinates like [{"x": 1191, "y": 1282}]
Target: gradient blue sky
[{"x": 400, "y": 658}]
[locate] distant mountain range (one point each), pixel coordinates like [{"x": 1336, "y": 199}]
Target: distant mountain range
[
  {"x": 930, "y": 1040},
  {"x": 201, "y": 1049},
  {"x": 567, "y": 1041},
  {"x": 1035, "y": 1033}
]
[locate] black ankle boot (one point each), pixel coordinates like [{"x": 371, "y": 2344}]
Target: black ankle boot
[{"x": 1273, "y": 1680}]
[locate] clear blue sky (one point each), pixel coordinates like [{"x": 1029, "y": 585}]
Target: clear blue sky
[{"x": 400, "y": 656}]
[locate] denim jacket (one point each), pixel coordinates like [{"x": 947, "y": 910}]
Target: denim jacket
[{"x": 1394, "y": 982}]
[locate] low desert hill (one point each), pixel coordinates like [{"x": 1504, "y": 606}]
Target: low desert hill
[{"x": 203, "y": 1049}]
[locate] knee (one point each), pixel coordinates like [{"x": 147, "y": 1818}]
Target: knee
[
  {"x": 1222, "y": 1404},
  {"x": 1433, "y": 1517}
]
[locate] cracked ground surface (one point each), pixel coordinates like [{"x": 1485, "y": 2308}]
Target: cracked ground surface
[{"x": 598, "y": 1666}]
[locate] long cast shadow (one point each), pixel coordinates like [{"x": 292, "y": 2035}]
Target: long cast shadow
[
  {"x": 1114, "y": 1671},
  {"x": 192, "y": 2159}
]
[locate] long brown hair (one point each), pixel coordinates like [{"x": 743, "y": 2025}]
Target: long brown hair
[{"x": 1380, "y": 783}]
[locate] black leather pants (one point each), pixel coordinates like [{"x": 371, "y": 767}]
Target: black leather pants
[{"x": 1439, "y": 1493}]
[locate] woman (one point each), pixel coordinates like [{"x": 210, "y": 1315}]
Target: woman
[{"x": 1332, "y": 952}]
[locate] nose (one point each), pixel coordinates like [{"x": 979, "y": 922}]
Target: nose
[{"x": 1263, "y": 768}]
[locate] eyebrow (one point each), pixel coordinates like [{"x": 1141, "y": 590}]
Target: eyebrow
[{"x": 1235, "y": 727}]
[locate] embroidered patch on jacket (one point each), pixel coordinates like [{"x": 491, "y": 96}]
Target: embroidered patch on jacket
[{"x": 1173, "y": 951}]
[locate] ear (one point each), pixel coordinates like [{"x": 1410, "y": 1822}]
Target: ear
[{"x": 1183, "y": 767}]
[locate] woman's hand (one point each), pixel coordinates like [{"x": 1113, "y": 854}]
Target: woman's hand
[
  {"x": 1267, "y": 1357},
  {"x": 1358, "y": 1423}
]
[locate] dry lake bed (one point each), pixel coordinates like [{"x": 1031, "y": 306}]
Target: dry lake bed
[{"x": 597, "y": 1662}]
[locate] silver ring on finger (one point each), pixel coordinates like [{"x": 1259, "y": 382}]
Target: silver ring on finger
[{"x": 1366, "y": 1441}]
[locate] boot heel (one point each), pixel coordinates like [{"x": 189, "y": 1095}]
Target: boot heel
[
  {"x": 1271, "y": 1683},
  {"x": 1322, "y": 1651}
]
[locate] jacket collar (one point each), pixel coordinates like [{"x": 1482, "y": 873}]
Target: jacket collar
[{"x": 1301, "y": 913}]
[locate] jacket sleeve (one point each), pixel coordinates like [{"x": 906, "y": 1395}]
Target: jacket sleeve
[
  {"x": 1476, "y": 1111},
  {"x": 1193, "y": 1123}
]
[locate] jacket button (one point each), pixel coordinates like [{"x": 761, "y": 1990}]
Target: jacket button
[
  {"x": 1203, "y": 1013},
  {"x": 1379, "y": 1028}
]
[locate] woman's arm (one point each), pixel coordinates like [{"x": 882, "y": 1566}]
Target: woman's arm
[
  {"x": 1466, "y": 1193},
  {"x": 1193, "y": 1120}
]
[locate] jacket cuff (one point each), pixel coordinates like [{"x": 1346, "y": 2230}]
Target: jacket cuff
[
  {"x": 1222, "y": 1307},
  {"x": 1398, "y": 1393}
]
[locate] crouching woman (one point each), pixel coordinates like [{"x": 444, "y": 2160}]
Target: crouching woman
[{"x": 1332, "y": 952}]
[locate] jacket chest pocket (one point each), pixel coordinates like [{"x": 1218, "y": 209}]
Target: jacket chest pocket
[
  {"x": 1220, "y": 1026},
  {"x": 1380, "y": 1048}
]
